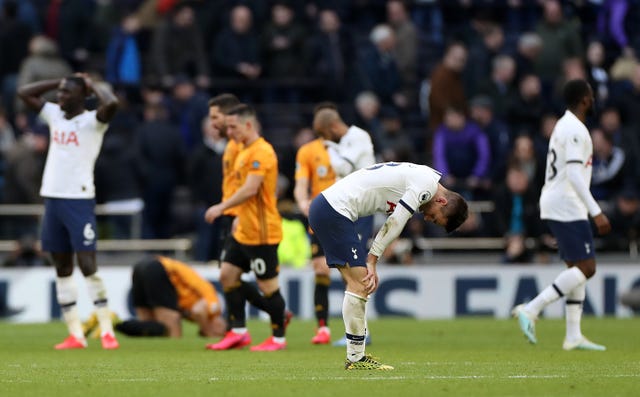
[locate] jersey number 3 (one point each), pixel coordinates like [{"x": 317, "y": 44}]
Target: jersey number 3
[{"x": 552, "y": 171}]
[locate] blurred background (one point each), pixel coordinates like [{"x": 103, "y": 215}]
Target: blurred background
[{"x": 470, "y": 87}]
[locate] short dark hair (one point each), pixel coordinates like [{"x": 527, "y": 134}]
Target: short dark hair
[
  {"x": 574, "y": 91},
  {"x": 325, "y": 105},
  {"x": 224, "y": 101},
  {"x": 79, "y": 81},
  {"x": 457, "y": 211},
  {"x": 242, "y": 110}
]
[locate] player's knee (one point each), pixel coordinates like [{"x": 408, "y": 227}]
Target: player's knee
[{"x": 588, "y": 268}]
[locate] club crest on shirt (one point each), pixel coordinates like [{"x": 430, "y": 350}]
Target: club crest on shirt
[
  {"x": 255, "y": 165},
  {"x": 322, "y": 171},
  {"x": 424, "y": 197}
]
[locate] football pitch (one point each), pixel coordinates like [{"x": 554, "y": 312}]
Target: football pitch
[{"x": 462, "y": 357}]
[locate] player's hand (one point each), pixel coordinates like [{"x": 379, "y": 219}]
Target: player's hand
[
  {"x": 199, "y": 309},
  {"x": 304, "y": 207},
  {"x": 213, "y": 213},
  {"x": 602, "y": 223},
  {"x": 371, "y": 279}
]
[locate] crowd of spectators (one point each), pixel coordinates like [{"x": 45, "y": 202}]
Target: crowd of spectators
[{"x": 470, "y": 86}]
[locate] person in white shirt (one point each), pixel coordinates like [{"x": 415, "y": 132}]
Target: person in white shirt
[
  {"x": 69, "y": 222},
  {"x": 349, "y": 149},
  {"x": 565, "y": 205},
  {"x": 397, "y": 189}
]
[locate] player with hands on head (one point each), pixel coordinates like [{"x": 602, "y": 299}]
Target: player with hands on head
[{"x": 69, "y": 222}]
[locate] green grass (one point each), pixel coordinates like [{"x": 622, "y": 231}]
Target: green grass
[{"x": 463, "y": 357}]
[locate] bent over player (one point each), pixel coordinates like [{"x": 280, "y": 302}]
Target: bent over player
[
  {"x": 565, "y": 205},
  {"x": 69, "y": 222},
  {"x": 165, "y": 291},
  {"x": 398, "y": 189}
]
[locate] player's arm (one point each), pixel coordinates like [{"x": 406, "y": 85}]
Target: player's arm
[
  {"x": 249, "y": 189},
  {"x": 574, "y": 166},
  {"x": 301, "y": 194},
  {"x": 31, "y": 93},
  {"x": 389, "y": 231},
  {"x": 340, "y": 162},
  {"x": 574, "y": 174},
  {"x": 108, "y": 101}
]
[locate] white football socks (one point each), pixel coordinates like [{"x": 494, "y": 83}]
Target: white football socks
[
  {"x": 566, "y": 281},
  {"x": 98, "y": 294},
  {"x": 353, "y": 314},
  {"x": 67, "y": 295},
  {"x": 573, "y": 312}
]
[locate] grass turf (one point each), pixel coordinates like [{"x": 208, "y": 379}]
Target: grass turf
[{"x": 462, "y": 357}]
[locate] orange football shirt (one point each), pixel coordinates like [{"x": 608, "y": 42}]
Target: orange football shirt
[
  {"x": 313, "y": 164},
  {"x": 190, "y": 286},
  {"x": 259, "y": 221},
  {"x": 229, "y": 182}
]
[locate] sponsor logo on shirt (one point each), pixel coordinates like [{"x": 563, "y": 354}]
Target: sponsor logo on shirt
[{"x": 65, "y": 138}]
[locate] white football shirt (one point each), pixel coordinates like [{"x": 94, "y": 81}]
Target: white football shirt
[
  {"x": 381, "y": 188},
  {"x": 570, "y": 144},
  {"x": 353, "y": 152},
  {"x": 73, "y": 148}
]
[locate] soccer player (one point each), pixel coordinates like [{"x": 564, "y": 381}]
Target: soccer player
[
  {"x": 398, "y": 189},
  {"x": 565, "y": 204},
  {"x": 351, "y": 148},
  {"x": 254, "y": 242},
  {"x": 69, "y": 222},
  {"x": 218, "y": 108},
  {"x": 164, "y": 291}
]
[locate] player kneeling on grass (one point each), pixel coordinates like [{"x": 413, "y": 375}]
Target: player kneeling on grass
[
  {"x": 398, "y": 189},
  {"x": 164, "y": 291}
]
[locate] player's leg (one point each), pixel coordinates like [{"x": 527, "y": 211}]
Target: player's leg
[
  {"x": 57, "y": 247},
  {"x": 575, "y": 243},
  {"x": 573, "y": 312},
  {"x": 345, "y": 250},
  {"x": 321, "y": 292},
  {"x": 235, "y": 262},
  {"x": 353, "y": 310},
  {"x": 264, "y": 263},
  {"x": 160, "y": 296},
  {"x": 98, "y": 294}
]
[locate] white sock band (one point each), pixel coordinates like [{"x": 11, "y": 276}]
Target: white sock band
[
  {"x": 67, "y": 295},
  {"x": 353, "y": 314},
  {"x": 98, "y": 294},
  {"x": 573, "y": 312},
  {"x": 566, "y": 281}
]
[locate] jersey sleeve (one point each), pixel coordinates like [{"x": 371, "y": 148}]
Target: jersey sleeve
[
  {"x": 99, "y": 126},
  {"x": 302, "y": 164},
  {"x": 48, "y": 111},
  {"x": 575, "y": 148},
  {"x": 261, "y": 161},
  {"x": 419, "y": 192}
]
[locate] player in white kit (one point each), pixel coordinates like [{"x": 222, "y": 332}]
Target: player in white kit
[
  {"x": 397, "y": 189},
  {"x": 350, "y": 148},
  {"x": 69, "y": 223},
  {"x": 565, "y": 205}
]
